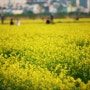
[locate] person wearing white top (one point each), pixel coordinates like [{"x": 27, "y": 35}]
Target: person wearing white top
[{"x": 18, "y": 22}]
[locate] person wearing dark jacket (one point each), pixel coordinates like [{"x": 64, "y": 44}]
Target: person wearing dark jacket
[
  {"x": 2, "y": 19},
  {"x": 47, "y": 20},
  {"x": 51, "y": 18},
  {"x": 11, "y": 21}
]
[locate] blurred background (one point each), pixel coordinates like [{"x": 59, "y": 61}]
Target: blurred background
[{"x": 41, "y": 8}]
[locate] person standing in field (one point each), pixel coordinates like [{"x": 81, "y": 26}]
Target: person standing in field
[
  {"x": 11, "y": 21},
  {"x": 2, "y": 19},
  {"x": 18, "y": 22},
  {"x": 51, "y": 18},
  {"x": 47, "y": 20}
]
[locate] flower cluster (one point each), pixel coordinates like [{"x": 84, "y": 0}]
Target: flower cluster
[{"x": 36, "y": 56}]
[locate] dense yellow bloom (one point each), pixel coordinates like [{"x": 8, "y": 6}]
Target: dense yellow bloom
[{"x": 36, "y": 56}]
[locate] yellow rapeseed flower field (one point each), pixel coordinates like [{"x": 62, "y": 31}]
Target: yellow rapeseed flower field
[{"x": 39, "y": 56}]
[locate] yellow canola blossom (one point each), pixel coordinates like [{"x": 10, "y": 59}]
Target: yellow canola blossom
[{"x": 37, "y": 56}]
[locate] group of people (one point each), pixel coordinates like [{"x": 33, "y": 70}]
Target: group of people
[
  {"x": 49, "y": 19},
  {"x": 11, "y": 21}
]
